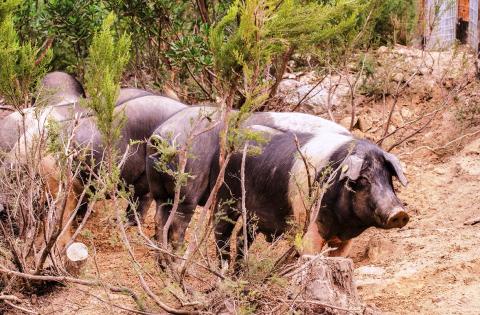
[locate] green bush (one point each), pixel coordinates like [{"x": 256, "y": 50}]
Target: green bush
[
  {"x": 252, "y": 35},
  {"x": 70, "y": 24},
  {"x": 105, "y": 65},
  {"x": 395, "y": 21},
  {"x": 22, "y": 63}
]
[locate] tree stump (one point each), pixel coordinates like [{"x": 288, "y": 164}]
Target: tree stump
[
  {"x": 325, "y": 285},
  {"x": 77, "y": 255}
]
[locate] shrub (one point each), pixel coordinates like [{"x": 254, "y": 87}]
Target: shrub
[
  {"x": 395, "y": 21},
  {"x": 22, "y": 64}
]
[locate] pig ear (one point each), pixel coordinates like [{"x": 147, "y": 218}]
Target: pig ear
[
  {"x": 351, "y": 167},
  {"x": 397, "y": 167}
]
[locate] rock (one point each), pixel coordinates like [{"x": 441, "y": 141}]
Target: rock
[
  {"x": 77, "y": 252},
  {"x": 379, "y": 249},
  {"x": 440, "y": 171},
  {"x": 406, "y": 113},
  {"x": 398, "y": 77},
  {"x": 424, "y": 70},
  {"x": 315, "y": 96},
  {"x": 308, "y": 77},
  {"x": 406, "y": 272},
  {"x": 391, "y": 128},
  {"x": 397, "y": 119},
  {"x": 382, "y": 49},
  {"x": 364, "y": 283},
  {"x": 365, "y": 123},
  {"x": 370, "y": 271},
  {"x": 290, "y": 76},
  {"x": 473, "y": 148},
  {"x": 469, "y": 165},
  {"x": 287, "y": 85},
  {"x": 469, "y": 160},
  {"x": 345, "y": 122}
]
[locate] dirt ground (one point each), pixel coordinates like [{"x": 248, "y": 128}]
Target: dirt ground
[{"x": 431, "y": 266}]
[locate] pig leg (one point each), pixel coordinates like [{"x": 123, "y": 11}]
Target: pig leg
[
  {"x": 178, "y": 227},
  {"x": 144, "y": 203},
  {"x": 180, "y": 224},
  {"x": 225, "y": 220},
  {"x": 176, "y": 231},
  {"x": 161, "y": 215},
  {"x": 313, "y": 242},
  {"x": 49, "y": 172},
  {"x": 343, "y": 247},
  {"x": 251, "y": 234},
  {"x": 143, "y": 197}
]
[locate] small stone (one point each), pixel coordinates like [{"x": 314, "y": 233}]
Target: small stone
[
  {"x": 406, "y": 113},
  {"x": 397, "y": 119},
  {"x": 424, "y": 70},
  {"x": 473, "y": 148},
  {"x": 391, "y": 128},
  {"x": 291, "y": 76},
  {"x": 379, "y": 249},
  {"x": 382, "y": 49},
  {"x": 440, "y": 171},
  {"x": 345, "y": 122},
  {"x": 398, "y": 77},
  {"x": 365, "y": 123},
  {"x": 370, "y": 271}
]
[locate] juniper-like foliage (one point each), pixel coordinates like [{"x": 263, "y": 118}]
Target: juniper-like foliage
[
  {"x": 246, "y": 40},
  {"x": 21, "y": 67},
  {"x": 105, "y": 64}
]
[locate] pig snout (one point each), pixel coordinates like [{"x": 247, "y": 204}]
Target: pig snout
[{"x": 397, "y": 218}]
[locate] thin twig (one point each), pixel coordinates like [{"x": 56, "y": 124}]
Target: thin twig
[
  {"x": 113, "y": 304},
  {"x": 446, "y": 101},
  {"x": 25, "y": 310},
  {"x": 9, "y": 297},
  {"x": 308, "y": 93},
  {"x": 434, "y": 150},
  {"x": 244, "y": 207},
  {"x": 7, "y": 107}
]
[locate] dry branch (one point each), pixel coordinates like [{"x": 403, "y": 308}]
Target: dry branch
[
  {"x": 436, "y": 149},
  {"x": 244, "y": 207}
]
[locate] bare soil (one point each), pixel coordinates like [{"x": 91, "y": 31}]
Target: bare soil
[{"x": 432, "y": 266}]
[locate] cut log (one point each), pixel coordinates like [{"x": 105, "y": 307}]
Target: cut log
[{"x": 77, "y": 255}]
